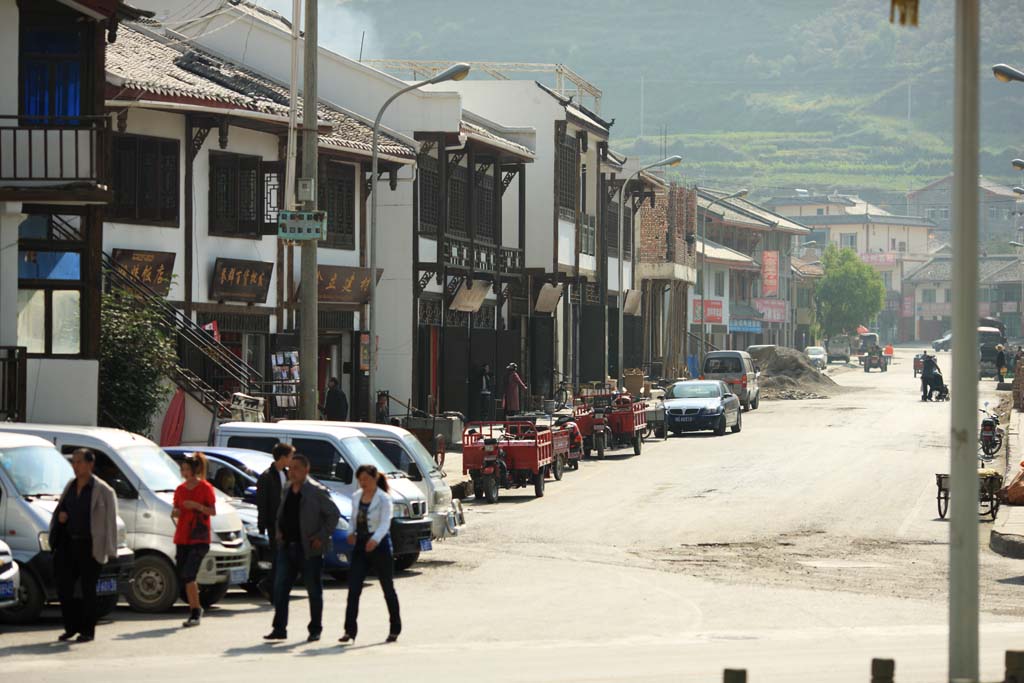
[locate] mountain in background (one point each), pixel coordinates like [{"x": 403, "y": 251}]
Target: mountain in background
[{"x": 770, "y": 94}]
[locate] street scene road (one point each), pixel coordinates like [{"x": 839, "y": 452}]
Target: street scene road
[{"x": 802, "y": 546}]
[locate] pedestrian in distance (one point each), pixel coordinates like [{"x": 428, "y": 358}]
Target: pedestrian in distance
[
  {"x": 1000, "y": 362},
  {"x": 335, "y": 402},
  {"x": 270, "y": 488},
  {"x": 486, "y": 390},
  {"x": 371, "y": 540},
  {"x": 83, "y": 535},
  {"x": 513, "y": 383},
  {"x": 194, "y": 503},
  {"x": 305, "y": 521}
]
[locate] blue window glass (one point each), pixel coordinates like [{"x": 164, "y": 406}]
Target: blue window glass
[
  {"x": 49, "y": 265},
  {"x": 51, "y": 72}
]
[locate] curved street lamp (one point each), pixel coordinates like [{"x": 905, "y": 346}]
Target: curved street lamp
[
  {"x": 1018, "y": 164},
  {"x": 456, "y": 72},
  {"x": 673, "y": 160},
  {"x": 1007, "y": 73},
  {"x": 738, "y": 194}
]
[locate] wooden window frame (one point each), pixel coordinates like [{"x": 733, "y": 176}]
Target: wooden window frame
[
  {"x": 336, "y": 187},
  {"x": 566, "y": 161},
  {"x": 218, "y": 225},
  {"x": 163, "y": 145}
]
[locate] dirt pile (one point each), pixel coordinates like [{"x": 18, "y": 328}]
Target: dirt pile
[{"x": 787, "y": 374}]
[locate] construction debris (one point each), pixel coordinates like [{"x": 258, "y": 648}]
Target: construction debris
[{"x": 787, "y": 374}]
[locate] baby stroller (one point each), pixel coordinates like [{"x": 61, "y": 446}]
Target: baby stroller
[{"x": 939, "y": 386}]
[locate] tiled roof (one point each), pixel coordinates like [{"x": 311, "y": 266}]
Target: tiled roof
[
  {"x": 144, "y": 63},
  {"x": 940, "y": 268},
  {"x": 983, "y": 182},
  {"x": 723, "y": 254},
  {"x": 770, "y": 219},
  {"x": 730, "y": 215},
  {"x": 741, "y": 311},
  {"x": 1009, "y": 272},
  {"x": 489, "y": 136},
  {"x": 864, "y": 219},
  {"x": 809, "y": 268}
]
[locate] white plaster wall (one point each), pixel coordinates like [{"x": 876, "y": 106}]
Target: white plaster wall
[
  {"x": 9, "y": 56},
  {"x": 691, "y": 293},
  {"x": 62, "y": 391},
  {"x": 627, "y": 274},
  {"x": 394, "y": 291},
  {"x": 10, "y": 218},
  {"x": 566, "y": 244}
]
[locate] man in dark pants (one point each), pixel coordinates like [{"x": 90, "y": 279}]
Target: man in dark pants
[
  {"x": 486, "y": 391},
  {"x": 335, "y": 402},
  {"x": 83, "y": 535},
  {"x": 269, "y": 489},
  {"x": 305, "y": 522}
]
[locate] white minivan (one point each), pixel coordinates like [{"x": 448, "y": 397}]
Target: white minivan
[
  {"x": 144, "y": 479},
  {"x": 335, "y": 453},
  {"x": 406, "y": 453}
]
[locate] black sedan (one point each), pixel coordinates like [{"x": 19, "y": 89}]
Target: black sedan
[
  {"x": 943, "y": 343},
  {"x": 702, "y": 405}
]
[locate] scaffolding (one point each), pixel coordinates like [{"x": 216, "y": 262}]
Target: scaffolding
[{"x": 568, "y": 83}]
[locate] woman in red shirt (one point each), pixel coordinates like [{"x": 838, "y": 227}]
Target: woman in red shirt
[{"x": 194, "y": 504}]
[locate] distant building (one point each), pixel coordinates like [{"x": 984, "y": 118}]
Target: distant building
[{"x": 997, "y": 205}]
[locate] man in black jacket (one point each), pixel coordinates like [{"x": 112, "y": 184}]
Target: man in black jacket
[
  {"x": 335, "y": 402},
  {"x": 269, "y": 488}
]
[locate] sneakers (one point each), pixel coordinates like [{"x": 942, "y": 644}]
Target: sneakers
[{"x": 193, "y": 618}]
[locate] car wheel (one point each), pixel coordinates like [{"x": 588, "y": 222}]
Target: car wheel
[
  {"x": 638, "y": 443},
  {"x": 600, "y": 445},
  {"x": 154, "y": 584},
  {"x": 720, "y": 428},
  {"x": 746, "y": 405},
  {"x": 404, "y": 562},
  {"x": 739, "y": 423},
  {"x": 491, "y": 489},
  {"x": 558, "y": 468},
  {"x": 538, "y": 483},
  {"x": 659, "y": 432},
  {"x": 30, "y": 601}
]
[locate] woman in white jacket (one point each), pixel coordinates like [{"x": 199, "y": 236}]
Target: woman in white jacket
[{"x": 372, "y": 509}]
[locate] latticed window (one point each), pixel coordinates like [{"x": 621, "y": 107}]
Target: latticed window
[
  {"x": 236, "y": 195},
  {"x": 611, "y": 228},
  {"x": 457, "y": 201},
  {"x": 627, "y": 232},
  {"x": 336, "y": 196},
  {"x": 273, "y": 194},
  {"x": 588, "y": 235},
  {"x": 565, "y": 168},
  {"x": 429, "y": 193},
  {"x": 483, "y": 197},
  {"x": 145, "y": 180}
]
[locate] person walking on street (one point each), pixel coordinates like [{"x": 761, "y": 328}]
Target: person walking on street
[
  {"x": 305, "y": 521},
  {"x": 927, "y": 369},
  {"x": 372, "y": 507},
  {"x": 269, "y": 490},
  {"x": 513, "y": 383},
  {"x": 83, "y": 535},
  {"x": 486, "y": 389},
  {"x": 194, "y": 503},
  {"x": 1000, "y": 362},
  {"x": 335, "y": 402}
]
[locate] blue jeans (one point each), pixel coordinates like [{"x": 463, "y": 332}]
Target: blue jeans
[
  {"x": 382, "y": 561},
  {"x": 290, "y": 561}
]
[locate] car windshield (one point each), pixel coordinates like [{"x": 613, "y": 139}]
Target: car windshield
[
  {"x": 152, "y": 466},
  {"x": 362, "y": 452},
  {"x": 815, "y": 351},
  {"x": 992, "y": 337},
  {"x": 421, "y": 454},
  {"x": 693, "y": 390},
  {"x": 36, "y": 470},
  {"x": 726, "y": 364}
]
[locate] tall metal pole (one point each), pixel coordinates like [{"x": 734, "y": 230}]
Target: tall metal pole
[
  {"x": 622, "y": 286},
  {"x": 703, "y": 283},
  {"x": 963, "y": 530},
  {"x": 308, "y": 365}
]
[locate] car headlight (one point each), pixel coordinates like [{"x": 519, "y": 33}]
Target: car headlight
[
  {"x": 122, "y": 537},
  {"x": 442, "y": 497},
  {"x": 712, "y": 411},
  {"x": 44, "y": 541},
  {"x": 253, "y": 530},
  {"x": 401, "y": 510}
]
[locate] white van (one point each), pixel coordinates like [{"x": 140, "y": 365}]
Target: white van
[
  {"x": 144, "y": 479},
  {"x": 407, "y": 454},
  {"x": 335, "y": 453}
]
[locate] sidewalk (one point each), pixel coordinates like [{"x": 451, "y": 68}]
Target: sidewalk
[{"x": 1007, "y": 537}]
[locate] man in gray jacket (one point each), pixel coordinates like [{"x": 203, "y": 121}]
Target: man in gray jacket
[
  {"x": 305, "y": 521},
  {"x": 83, "y": 535}
]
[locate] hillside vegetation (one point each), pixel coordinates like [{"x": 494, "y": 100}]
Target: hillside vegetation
[{"x": 772, "y": 93}]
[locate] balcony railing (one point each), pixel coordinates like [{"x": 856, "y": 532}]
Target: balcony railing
[
  {"x": 13, "y": 372},
  {"x": 43, "y": 151}
]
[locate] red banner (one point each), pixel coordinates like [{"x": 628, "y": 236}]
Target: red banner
[
  {"x": 908, "y": 306},
  {"x": 774, "y": 310},
  {"x": 770, "y": 273},
  {"x": 712, "y": 311}
]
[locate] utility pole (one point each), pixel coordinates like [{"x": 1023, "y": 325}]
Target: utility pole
[{"x": 309, "y": 316}]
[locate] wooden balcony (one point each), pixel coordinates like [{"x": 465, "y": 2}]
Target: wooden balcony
[{"x": 54, "y": 158}]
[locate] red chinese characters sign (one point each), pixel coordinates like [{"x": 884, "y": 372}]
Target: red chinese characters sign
[
  {"x": 712, "y": 311},
  {"x": 774, "y": 310},
  {"x": 151, "y": 268},
  {"x": 770, "y": 273},
  {"x": 908, "y": 306},
  {"x": 238, "y": 280},
  {"x": 344, "y": 284}
]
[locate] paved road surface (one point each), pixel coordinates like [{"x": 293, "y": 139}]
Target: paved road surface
[{"x": 798, "y": 549}]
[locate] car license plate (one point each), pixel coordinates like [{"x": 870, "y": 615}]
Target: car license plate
[
  {"x": 237, "y": 576},
  {"x": 106, "y": 586},
  {"x": 684, "y": 419},
  {"x": 6, "y": 590},
  {"x": 426, "y": 544}
]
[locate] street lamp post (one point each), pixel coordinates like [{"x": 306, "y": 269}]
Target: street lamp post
[
  {"x": 673, "y": 160},
  {"x": 456, "y": 72},
  {"x": 703, "y": 266}
]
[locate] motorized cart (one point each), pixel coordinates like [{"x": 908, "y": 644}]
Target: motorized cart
[
  {"x": 655, "y": 419},
  {"x": 512, "y": 454},
  {"x": 872, "y": 361},
  {"x": 989, "y": 483},
  {"x": 568, "y": 431},
  {"x": 618, "y": 421}
]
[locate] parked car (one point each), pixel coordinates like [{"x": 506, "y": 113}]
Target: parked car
[
  {"x": 10, "y": 577},
  {"x": 988, "y": 339},
  {"x": 736, "y": 369},
  {"x": 817, "y": 355},
  {"x": 943, "y": 343},
  {"x": 33, "y": 475},
  {"x": 692, "y": 406},
  {"x": 838, "y": 348},
  {"x": 144, "y": 479},
  {"x": 334, "y": 454},
  {"x": 235, "y": 471},
  {"x": 408, "y": 454}
]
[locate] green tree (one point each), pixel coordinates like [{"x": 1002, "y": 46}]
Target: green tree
[
  {"x": 850, "y": 294},
  {"x": 135, "y": 357}
]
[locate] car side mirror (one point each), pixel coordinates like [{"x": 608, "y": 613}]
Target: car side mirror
[
  {"x": 413, "y": 472},
  {"x": 343, "y": 471},
  {"x": 250, "y": 494}
]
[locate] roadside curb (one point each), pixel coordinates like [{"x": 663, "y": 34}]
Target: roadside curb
[{"x": 1007, "y": 545}]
